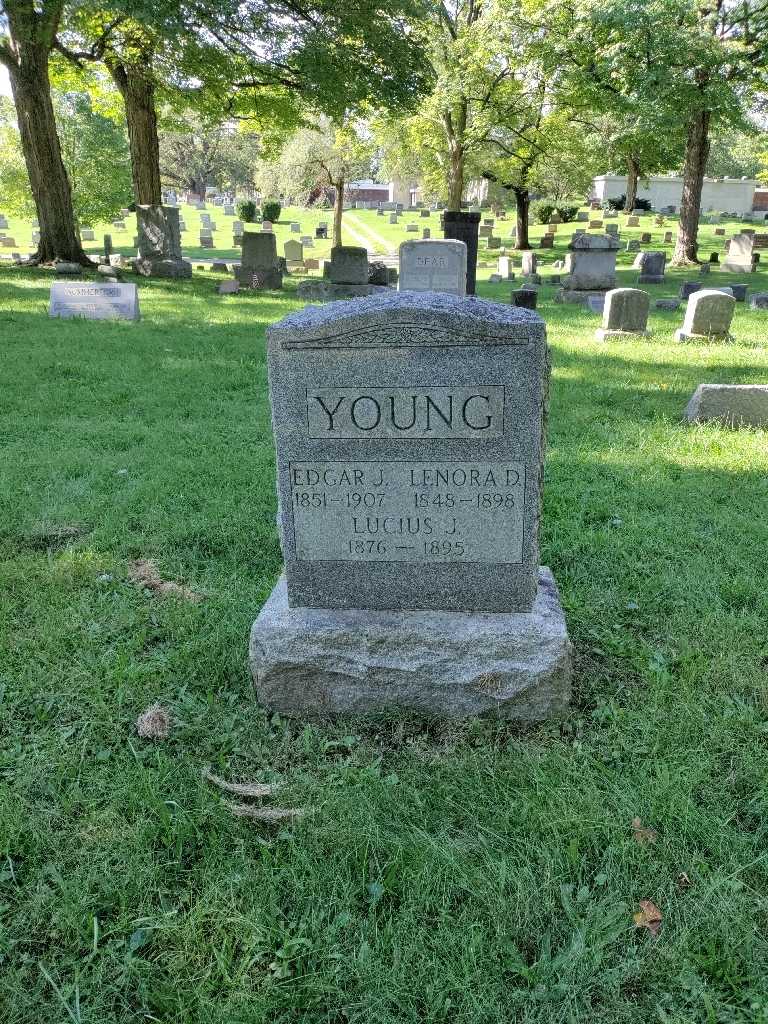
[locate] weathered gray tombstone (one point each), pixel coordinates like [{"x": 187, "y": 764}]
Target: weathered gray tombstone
[
  {"x": 505, "y": 267},
  {"x": 88, "y": 235},
  {"x": 759, "y": 301},
  {"x": 625, "y": 314},
  {"x": 259, "y": 267},
  {"x": 349, "y": 265},
  {"x": 295, "y": 228},
  {"x": 708, "y": 315},
  {"x": 651, "y": 265},
  {"x": 546, "y": 242},
  {"x": 266, "y": 226},
  {"x": 159, "y": 243},
  {"x": 229, "y": 211},
  {"x": 525, "y": 298},
  {"x": 206, "y": 240},
  {"x": 3, "y": 222},
  {"x": 424, "y": 213},
  {"x": 493, "y": 242},
  {"x": 688, "y": 288},
  {"x": 409, "y": 514},
  {"x": 94, "y": 300},
  {"x": 293, "y": 251},
  {"x": 633, "y": 245},
  {"x": 582, "y": 216},
  {"x": 612, "y": 229},
  {"x": 485, "y": 231},
  {"x": 426, "y": 233},
  {"x": 741, "y": 255},
  {"x": 633, "y": 222},
  {"x": 735, "y": 405},
  {"x": 411, "y": 228},
  {"x": 433, "y": 266},
  {"x": 591, "y": 266},
  {"x": 645, "y": 238},
  {"x": 668, "y": 238},
  {"x": 529, "y": 263},
  {"x": 393, "y": 218}
]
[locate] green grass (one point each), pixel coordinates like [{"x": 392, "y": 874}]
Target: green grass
[{"x": 444, "y": 874}]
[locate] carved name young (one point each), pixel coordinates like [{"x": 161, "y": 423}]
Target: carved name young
[
  {"x": 409, "y": 443},
  {"x": 416, "y": 412}
]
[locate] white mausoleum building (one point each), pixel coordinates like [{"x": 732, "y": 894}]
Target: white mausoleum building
[{"x": 727, "y": 195}]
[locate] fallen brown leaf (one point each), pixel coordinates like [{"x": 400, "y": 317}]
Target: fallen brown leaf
[
  {"x": 154, "y": 723},
  {"x": 144, "y": 572},
  {"x": 649, "y": 916},
  {"x": 254, "y": 789},
  {"x": 641, "y": 834},
  {"x": 684, "y": 881},
  {"x": 265, "y": 813}
]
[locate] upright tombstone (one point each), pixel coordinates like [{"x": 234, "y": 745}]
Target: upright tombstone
[
  {"x": 741, "y": 254},
  {"x": 409, "y": 514},
  {"x": 433, "y": 266},
  {"x": 633, "y": 222},
  {"x": 652, "y": 264},
  {"x": 345, "y": 276},
  {"x": 591, "y": 266},
  {"x": 259, "y": 267},
  {"x": 708, "y": 315},
  {"x": 294, "y": 251},
  {"x": 505, "y": 267},
  {"x": 462, "y": 225},
  {"x": 625, "y": 314},
  {"x": 94, "y": 300},
  {"x": 159, "y": 243},
  {"x": 3, "y": 222}
]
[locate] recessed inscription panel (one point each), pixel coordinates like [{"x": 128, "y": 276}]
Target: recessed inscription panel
[
  {"x": 468, "y": 411},
  {"x": 408, "y": 511}
]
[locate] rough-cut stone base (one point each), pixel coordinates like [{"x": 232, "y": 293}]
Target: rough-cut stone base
[
  {"x": 327, "y": 291},
  {"x": 582, "y": 298},
  {"x": 733, "y": 404},
  {"x": 681, "y": 335},
  {"x": 313, "y": 662},
  {"x": 603, "y": 335},
  {"x": 176, "y": 269}
]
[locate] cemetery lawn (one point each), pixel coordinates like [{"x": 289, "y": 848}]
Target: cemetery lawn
[{"x": 443, "y": 874}]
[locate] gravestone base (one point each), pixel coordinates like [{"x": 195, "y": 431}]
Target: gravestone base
[
  {"x": 579, "y": 297},
  {"x": 259, "y": 279},
  {"x": 603, "y": 334},
  {"x": 326, "y": 291},
  {"x": 734, "y": 405},
  {"x": 314, "y": 662},
  {"x": 176, "y": 269},
  {"x": 651, "y": 279},
  {"x": 681, "y": 335}
]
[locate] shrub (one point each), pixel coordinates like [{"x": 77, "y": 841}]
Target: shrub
[
  {"x": 567, "y": 212},
  {"x": 246, "y": 211},
  {"x": 542, "y": 210},
  {"x": 642, "y": 204},
  {"x": 616, "y": 203},
  {"x": 271, "y": 210}
]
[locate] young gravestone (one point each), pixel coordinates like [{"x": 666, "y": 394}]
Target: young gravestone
[
  {"x": 735, "y": 405},
  {"x": 433, "y": 266},
  {"x": 708, "y": 315},
  {"x": 94, "y": 301},
  {"x": 625, "y": 314},
  {"x": 409, "y": 514}
]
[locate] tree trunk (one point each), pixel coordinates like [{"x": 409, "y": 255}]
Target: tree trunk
[
  {"x": 48, "y": 179},
  {"x": 633, "y": 174},
  {"x": 696, "y": 153},
  {"x": 338, "y": 211},
  {"x": 456, "y": 178},
  {"x": 522, "y": 202},
  {"x": 138, "y": 92}
]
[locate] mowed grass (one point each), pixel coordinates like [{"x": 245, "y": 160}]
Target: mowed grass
[{"x": 441, "y": 873}]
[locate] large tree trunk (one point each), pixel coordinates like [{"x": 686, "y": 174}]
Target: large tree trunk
[
  {"x": 633, "y": 174},
  {"x": 138, "y": 92},
  {"x": 338, "y": 211},
  {"x": 48, "y": 179},
  {"x": 696, "y": 153},
  {"x": 456, "y": 178},
  {"x": 522, "y": 202}
]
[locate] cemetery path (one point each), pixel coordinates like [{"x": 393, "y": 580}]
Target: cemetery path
[{"x": 364, "y": 234}]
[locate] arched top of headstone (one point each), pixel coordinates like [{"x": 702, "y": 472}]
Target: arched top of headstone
[{"x": 406, "y": 319}]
